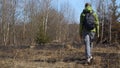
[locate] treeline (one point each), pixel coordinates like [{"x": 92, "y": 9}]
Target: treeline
[
  {"x": 109, "y": 16},
  {"x": 38, "y": 22},
  {"x": 29, "y": 22}
]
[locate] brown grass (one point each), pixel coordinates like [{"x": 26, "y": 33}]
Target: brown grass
[{"x": 57, "y": 56}]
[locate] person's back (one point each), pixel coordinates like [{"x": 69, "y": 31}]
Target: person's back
[
  {"x": 89, "y": 20},
  {"x": 89, "y": 25}
]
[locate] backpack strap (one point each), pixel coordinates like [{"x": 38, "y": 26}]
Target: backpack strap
[{"x": 93, "y": 11}]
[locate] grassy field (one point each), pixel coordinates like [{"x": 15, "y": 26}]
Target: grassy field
[{"x": 57, "y": 56}]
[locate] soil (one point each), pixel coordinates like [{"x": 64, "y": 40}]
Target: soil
[{"x": 57, "y": 56}]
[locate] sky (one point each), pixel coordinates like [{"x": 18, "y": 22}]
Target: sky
[{"x": 77, "y": 5}]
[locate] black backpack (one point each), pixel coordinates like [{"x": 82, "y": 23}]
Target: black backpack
[{"x": 89, "y": 20}]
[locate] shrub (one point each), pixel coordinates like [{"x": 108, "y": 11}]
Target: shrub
[{"x": 41, "y": 37}]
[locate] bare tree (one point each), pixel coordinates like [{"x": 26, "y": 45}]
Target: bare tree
[
  {"x": 37, "y": 16},
  {"x": 3, "y": 21},
  {"x": 108, "y": 15},
  {"x": 13, "y": 20},
  {"x": 115, "y": 15}
]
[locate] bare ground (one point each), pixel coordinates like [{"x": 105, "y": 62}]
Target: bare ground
[{"x": 57, "y": 56}]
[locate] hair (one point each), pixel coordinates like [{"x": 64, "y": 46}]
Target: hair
[{"x": 87, "y": 4}]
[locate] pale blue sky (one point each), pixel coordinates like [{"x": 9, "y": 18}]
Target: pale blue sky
[{"x": 77, "y": 5}]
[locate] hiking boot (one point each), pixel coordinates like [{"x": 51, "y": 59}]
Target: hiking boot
[{"x": 90, "y": 60}]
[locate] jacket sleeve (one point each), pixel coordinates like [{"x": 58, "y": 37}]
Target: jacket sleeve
[
  {"x": 96, "y": 22},
  {"x": 80, "y": 25}
]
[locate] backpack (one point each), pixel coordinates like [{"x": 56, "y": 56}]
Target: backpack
[{"x": 89, "y": 20}]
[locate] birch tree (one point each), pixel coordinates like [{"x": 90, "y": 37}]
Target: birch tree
[{"x": 115, "y": 15}]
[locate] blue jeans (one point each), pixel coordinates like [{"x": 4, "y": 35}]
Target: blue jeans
[{"x": 88, "y": 39}]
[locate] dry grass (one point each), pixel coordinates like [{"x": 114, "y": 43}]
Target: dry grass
[{"x": 57, "y": 56}]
